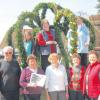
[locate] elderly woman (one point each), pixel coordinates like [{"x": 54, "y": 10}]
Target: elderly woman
[
  {"x": 56, "y": 83},
  {"x": 31, "y": 91},
  {"x": 47, "y": 42},
  {"x": 91, "y": 83},
  {"x": 9, "y": 76},
  {"x": 76, "y": 73}
]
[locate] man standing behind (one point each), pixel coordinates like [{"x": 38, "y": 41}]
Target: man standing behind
[{"x": 9, "y": 76}]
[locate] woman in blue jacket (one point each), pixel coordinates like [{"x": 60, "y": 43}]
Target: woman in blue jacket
[{"x": 83, "y": 40}]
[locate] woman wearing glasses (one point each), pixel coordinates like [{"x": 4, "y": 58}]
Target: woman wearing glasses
[{"x": 9, "y": 76}]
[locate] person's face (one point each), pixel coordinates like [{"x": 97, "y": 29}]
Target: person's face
[
  {"x": 32, "y": 63},
  {"x": 8, "y": 54},
  {"x": 27, "y": 36},
  {"x": 45, "y": 26},
  {"x": 19, "y": 59},
  {"x": 92, "y": 58},
  {"x": 54, "y": 60},
  {"x": 76, "y": 61},
  {"x": 79, "y": 21}
]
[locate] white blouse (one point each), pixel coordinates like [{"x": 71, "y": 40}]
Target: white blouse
[{"x": 56, "y": 78}]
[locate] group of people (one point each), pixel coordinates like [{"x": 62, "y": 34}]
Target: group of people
[
  {"x": 82, "y": 80},
  {"x": 45, "y": 39}
]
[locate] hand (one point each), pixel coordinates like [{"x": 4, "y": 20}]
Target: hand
[
  {"x": 86, "y": 44},
  {"x": 99, "y": 97},
  {"x": 48, "y": 97},
  {"x": 67, "y": 96},
  {"x": 48, "y": 42},
  {"x": 55, "y": 42},
  {"x": 31, "y": 85},
  {"x": 51, "y": 42}
]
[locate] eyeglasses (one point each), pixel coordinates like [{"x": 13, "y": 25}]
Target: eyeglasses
[{"x": 8, "y": 53}]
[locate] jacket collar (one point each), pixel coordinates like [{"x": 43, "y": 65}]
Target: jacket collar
[{"x": 94, "y": 64}]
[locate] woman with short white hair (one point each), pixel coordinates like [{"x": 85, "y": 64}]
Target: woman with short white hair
[{"x": 57, "y": 82}]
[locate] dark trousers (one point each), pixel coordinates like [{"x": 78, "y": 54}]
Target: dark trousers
[
  {"x": 44, "y": 61},
  {"x": 75, "y": 95},
  {"x": 32, "y": 96},
  {"x": 9, "y": 96},
  {"x": 84, "y": 59}
]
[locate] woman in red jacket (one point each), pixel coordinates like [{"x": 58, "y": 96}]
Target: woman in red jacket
[
  {"x": 46, "y": 39},
  {"x": 91, "y": 83}
]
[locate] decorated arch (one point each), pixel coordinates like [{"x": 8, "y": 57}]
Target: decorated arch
[
  {"x": 34, "y": 18},
  {"x": 44, "y": 7}
]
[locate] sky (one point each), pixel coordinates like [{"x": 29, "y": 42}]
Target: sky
[{"x": 11, "y": 9}]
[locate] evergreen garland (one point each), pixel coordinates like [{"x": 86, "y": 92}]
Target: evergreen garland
[
  {"x": 71, "y": 19},
  {"x": 34, "y": 18}
]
